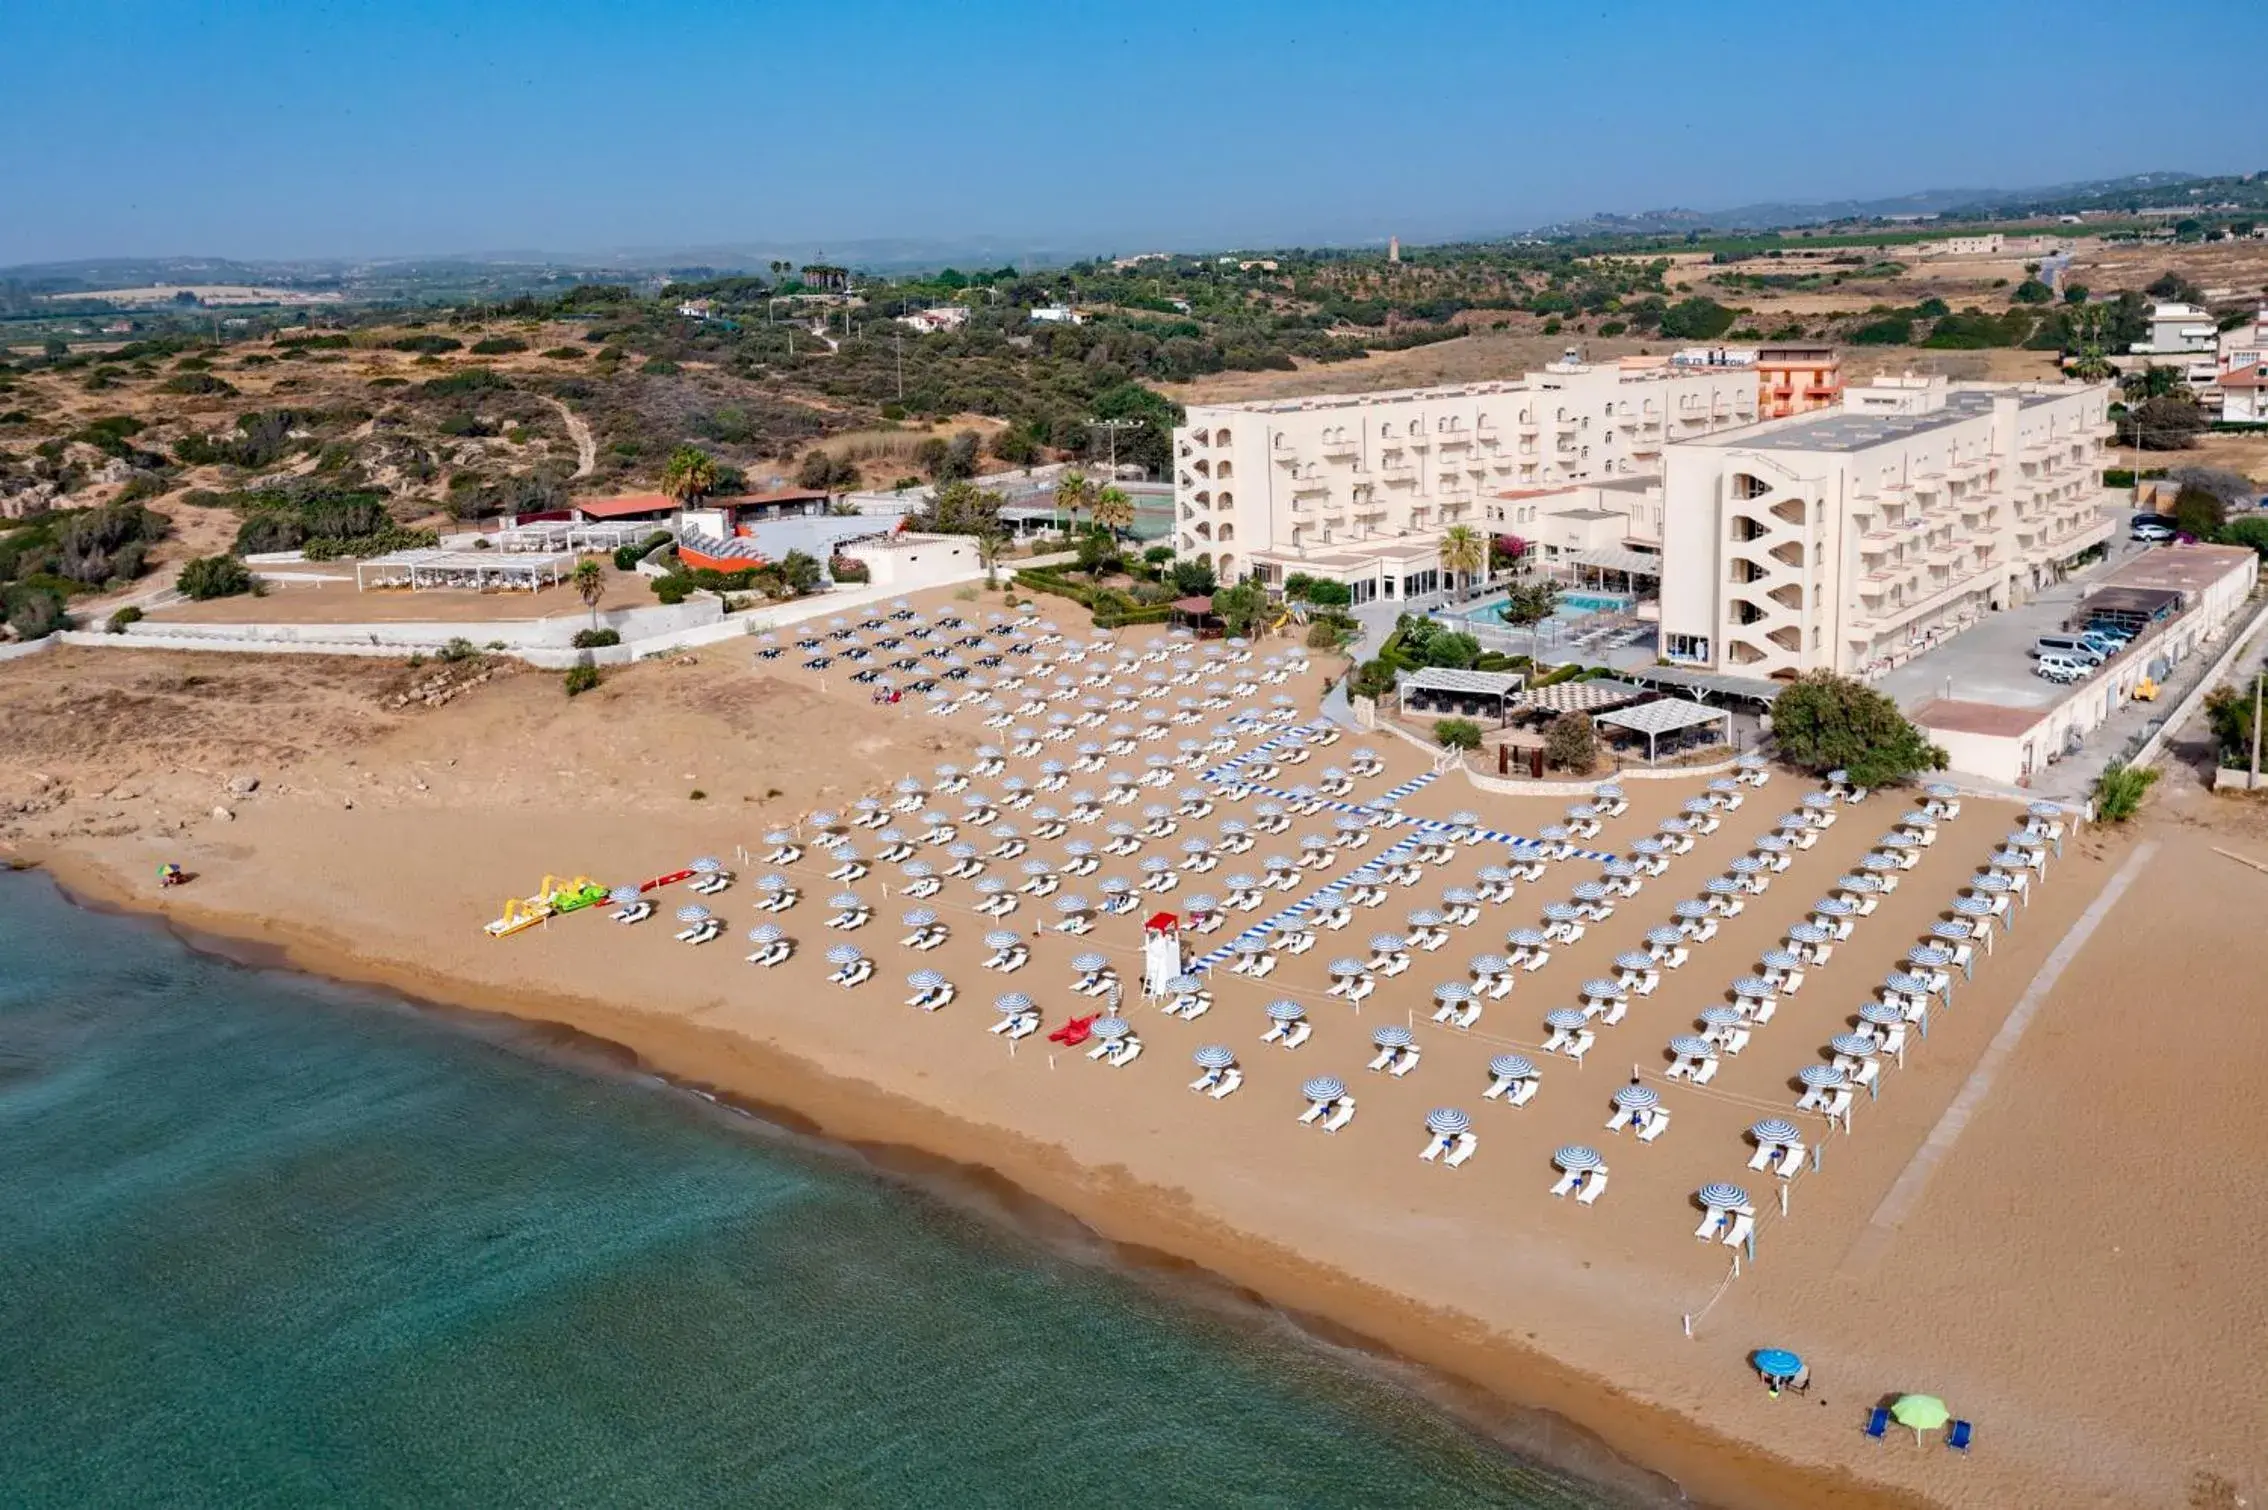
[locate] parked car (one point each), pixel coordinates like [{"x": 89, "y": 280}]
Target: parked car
[
  {"x": 2062, "y": 669},
  {"x": 2070, "y": 646},
  {"x": 2107, "y": 645},
  {"x": 2111, "y": 630},
  {"x": 2151, "y": 533}
]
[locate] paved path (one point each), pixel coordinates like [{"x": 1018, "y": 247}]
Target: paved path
[{"x": 1913, "y": 1181}]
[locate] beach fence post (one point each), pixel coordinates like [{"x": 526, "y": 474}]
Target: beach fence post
[
  {"x": 1751, "y": 1240},
  {"x": 1689, "y": 1324},
  {"x": 1815, "y": 1148},
  {"x": 1783, "y": 1198}
]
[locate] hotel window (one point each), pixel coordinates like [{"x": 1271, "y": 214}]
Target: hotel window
[{"x": 1686, "y": 647}]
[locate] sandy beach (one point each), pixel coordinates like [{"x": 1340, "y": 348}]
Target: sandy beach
[{"x": 2064, "y": 1264}]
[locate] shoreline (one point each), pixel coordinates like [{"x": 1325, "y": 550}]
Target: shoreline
[{"x": 1509, "y": 1393}]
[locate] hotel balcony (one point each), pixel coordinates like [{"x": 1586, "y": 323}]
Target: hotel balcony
[{"x": 1339, "y": 449}]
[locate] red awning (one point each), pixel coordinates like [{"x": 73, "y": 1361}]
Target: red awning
[{"x": 1162, "y": 922}]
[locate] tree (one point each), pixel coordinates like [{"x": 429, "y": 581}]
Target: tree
[
  {"x": 1824, "y": 722},
  {"x": 2172, "y": 285},
  {"x": 800, "y": 573},
  {"x": 2074, "y": 293},
  {"x": 990, "y": 547},
  {"x": 2252, "y": 530},
  {"x": 1098, "y": 553},
  {"x": 2033, "y": 291},
  {"x": 826, "y": 471},
  {"x": 1372, "y": 679},
  {"x": 1239, "y": 607},
  {"x": 2120, "y": 789},
  {"x": 960, "y": 508},
  {"x": 589, "y": 579},
  {"x": 2199, "y": 514},
  {"x": 1455, "y": 651},
  {"x": 1571, "y": 742},
  {"x": 1529, "y": 604},
  {"x": 2152, "y": 381},
  {"x": 1464, "y": 554},
  {"x": 204, "y": 577},
  {"x": 2234, "y": 489},
  {"x": 1074, "y": 494},
  {"x": 1194, "y": 579},
  {"x": 2161, "y": 424},
  {"x": 932, "y": 457},
  {"x": 1506, "y": 552},
  {"x": 1113, "y": 510},
  {"x": 1456, "y": 734},
  {"x": 961, "y": 455},
  {"x": 1696, "y": 319},
  {"x": 690, "y": 475}
]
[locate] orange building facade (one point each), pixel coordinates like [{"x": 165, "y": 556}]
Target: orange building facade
[{"x": 1796, "y": 379}]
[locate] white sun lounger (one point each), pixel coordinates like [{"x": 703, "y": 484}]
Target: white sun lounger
[
  {"x": 1300, "y": 1033},
  {"x": 1743, "y": 1224},
  {"x": 1435, "y": 1148},
  {"x": 1657, "y": 1123},
  {"x": 1566, "y": 1183},
  {"x": 1228, "y": 1083},
  {"x": 1342, "y": 1116},
  {"x": 1466, "y": 1143},
  {"x": 1407, "y": 1061},
  {"x": 1316, "y": 1112},
  {"x": 1594, "y": 1187},
  {"x": 1385, "y": 1058}
]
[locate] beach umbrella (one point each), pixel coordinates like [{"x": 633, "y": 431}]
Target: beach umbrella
[
  {"x": 1724, "y": 784},
  {"x": 1196, "y": 846},
  {"x": 1564, "y": 1017},
  {"x": 1560, "y": 912},
  {"x": 1919, "y": 819},
  {"x": 1951, "y": 932},
  {"x": 705, "y": 866},
  {"x": 1751, "y": 762},
  {"x": 844, "y": 954},
  {"x": 1002, "y": 831},
  {"x": 1722, "y": 886},
  {"x": 1880, "y": 862},
  {"x": 1771, "y": 844},
  {"x": 1393, "y": 1038},
  {"x": 1833, "y": 907},
  {"x": 1349, "y": 823},
  {"x": 1754, "y": 985},
  {"x": 1721, "y": 1195},
  {"x": 1112, "y": 886},
  {"x": 1235, "y": 826},
  {"x": 1072, "y": 906},
  {"x": 1929, "y": 956},
  {"x": 623, "y": 896},
  {"x": 823, "y": 820},
  {"x": 1036, "y": 867},
  {"x": 890, "y": 836},
  {"x": 1364, "y": 755},
  {"x": 1153, "y": 865},
  {"x": 1721, "y": 1017},
  {"x": 1648, "y": 847},
  {"x": 1697, "y": 806},
  {"x": 1817, "y": 801},
  {"x": 2010, "y": 859},
  {"x": 1078, "y": 849},
  {"x": 1285, "y": 1010},
  {"x": 1214, "y": 1056},
  {"x": 1839, "y": 778},
  {"x": 2045, "y": 809},
  {"x": 1112, "y": 1027},
  {"x": 692, "y": 914},
  {"x": 1387, "y": 943},
  {"x": 1692, "y": 1046},
  {"x": 1807, "y": 933},
  {"x": 1897, "y": 841},
  {"x": 1820, "y": 1077},
  {"x": 988, "y": 752},
  {"x": 1745, "y": 865},
  {"x": 1494, "y": 875},
  {"x": 773, "y": 882},
  {"x": 1201, "y": 903},
  {"x": 1250, "y": 947},
  {"x": 1603, "y": 989},
  {"x": 1992, "y": 884},
  {"x": 1690, "y": 910},
  {"x": 926, "y": 980},
  {"x": 920, "y": 917},
  {"x": 1181, "y": 983},
  {"x": 1270, "y": 809},
  {"x": 779, "y": 836},
  {"x": 1452, "y": 992},
  {"x": 1880, "y": 1015},
  {"x": 990, "y": 886},
  {"x": 1575, "y": 1158},
  {"x": 919, "y": 870},
  {"x": 1324, "y": 1088},
  {"x": 1792, "y": 822},
  {"x": 1524, "y": 938},
  {"x": 1447, "y": 1121},
  {"x": 1664, "y": 937},
  {"x": 1590, "y": 891},
  {"x": 1618, "y": 870},
  {"x": 1511, "y": 1067},
  {"x": 1774, "y": 1130},
  {"x": 1911, "y": 985},
  {"x": 1634, "y": 959},
  {"x": 845, "y": 901},
  {"x": 936, "y": 819},
  {"x": 1119, "y": 828},
  {"x": 1637, "y": 1098},
  {"x": 1553, "y": 833},
  {"x": 1013, "y": 1004},
  {"x": 766, "y": 933},
  {"x": 1089, "y": 963},
  {"x": 1425, "y": 917},
  {"x": 1920, "y": 1413},
  {"x": 1488, "y": 964},
  {"x": 1241, "y": 881},
  {"x": 1346, "y": 965},
  {"x": 1002, "y": 938},
  {"x": 1780, "y": 959}
]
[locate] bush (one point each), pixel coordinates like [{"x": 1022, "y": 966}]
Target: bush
[
  {"x": 566, "y": 353},
  {"x": 35, "y": 612},
  {"x": 2198, "y": 513},
  {"x": 207, "y": 577},
  {"x": 196, "y": 383},
  {"x": 1571, "y": 743},
  {"x": 1372, "y": 679},
  {"x": 1825, "y": 722},
  {"x": 457, "y": 650},
  {"x": 125, "y": 616},
  {"x": 673, "y": 588},
  {"x": 496, "y": 346},
  {"x": 592, "y": 639},
  {"x": 626, "y": 558},
  {"x": 1456, "y": 733},
  {"x": 2120, "y": 789},
  {"x": 581, "y": 679},
  {"x": 846, "y": 569}
]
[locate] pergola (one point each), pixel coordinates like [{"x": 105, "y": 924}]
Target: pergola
[
  {"x": 1671, "y": 715},
  {"x": 1629, "y": 564},
  {"x": 562, "y": 535},
  {"x": 1448, "y": 682},
  {"x": 481, "y": 571},
  {"x": 1579, "y": 696}
]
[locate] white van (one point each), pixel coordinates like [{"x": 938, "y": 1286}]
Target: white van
[
  {"x": 2068, "y": 645},
  {"x": 2063, "y": 669}
]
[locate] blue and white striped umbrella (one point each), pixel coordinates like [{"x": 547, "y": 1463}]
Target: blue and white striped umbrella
[
  {"x": 961, "y": 850},
  {"x": 1488, "y": 964},
  {"x": 1919, "y": 819},
  {"x": 989, "y": 886},
  {"x": 1453, "y": 991},
  {"x": 1119, "y": 828},
  {"x": 1610, "y": 792},
  {"x": 1792, "y": 822},
  {"x": 1820, "y": 1077},
  {"x": 623, "y": 896},
  {"x": 1023, "y": 736},
  {"x": 1270, "y": 809},
  {"x": 1181, "y": 984},
  {"x": 1634, "y": 959},
  {"x": 1387, "y": 943},
  {"x": 1013, "y": 1004},
  {"x": 1619, "y": 870},
  {"x": 1692, "y": 1046},
  {"x": 1232, "y": 826},
  {"x": 1833, "y": 907},
  {"x": 841, "y": 849},
  {"x": 1754, "y": 985},
  {"x": 1992, "y": 883},
  {"x": 823, "y": 820},
  {"x": 1719, "y": 1196},
  {"x": 926, "y": 980},
  {"x": 1071, "y": 906},
  {"x": 1447, "y": 1121},
  {"x": 1745, "y": 865},
  {"x": 1780, "y": 959},
  {"x": 1512, "y": 1067},
  {"x": 1897, "y": 841},
  {"x": 1929, "y": 956},
  {"x": 1279, "y": 863},
  {"x": 1524, "y": 938},
  {"x": 1154, "y": 865},
  {"x": 766, "y": 933},
  {"x": 1807, "y": 933},
  {"x": 1602, "y": 989},
  {"x": 1576, "y": 1158},
  {"x": 1002, "y": 938},
  {"x": 908, "y": 786},
  {"x": 1853, "y": 1045},
  {"x": 1771, "y": 844},
  {"x": 1002, "y": 831},
  {"x": 692, "y": 914},
  {"x": 919, "y": 870},
  {"x": 2046, "y": 810},
  {"x": 1310, "y": 843},
  {"x": 1724, "y": 784},
  {"x": 1698, "y": 806},
  {"x": 1079, "y": 849},
  {"x": 1954, "y": 933},
  {"x": 1648, "y": 847},
  {"x": 1553, "y": 833},
  {"x": 1818, "y": 800},
  {"x": 1911, "y": 985},
  {"x": 1494, "y": 875},
  {"x": 1425, "y": 917},
  {"x": 920, "y": 917},
  {"x": 936, "y": 819},
  {"x": 779, "y": 836},
  {"x": 1637, "y": 1098},
  {"x": 1722, "y": 886},
  {"x": 1589, "y": 891},
  {"x": 1690, "y": 910},
  {"x": 1576, "y": 814},
  {"x": 1350, "y": 823},
  {"x": 1721, "y": 1017},
  {"x": 1214, "y": 1056},
  {"x": 1393, "y": 1038},
  {"x": 2010, "y": 859},
  {"x": 891, "y": 836},
  {"x": 1880, "y": 1015},
  {"x": 1560, "y": 912},
  {"x": 1112, "y": 1027},
  {"x": 1324, "y": 1088},
  {"x": 1346, "y": 965},
  {"x": 1202, "y": 903},
  {"x": 1564, "y": 1017},
  {"x": 1089, "y": 962},
  {"x": 1364, "y": 755},
  {"x": 1664, "y": 937},
  {"x": 1285, "y": 1010},
  {"x": 1775, "y": 1130},
  {"x": 1241, "y": 881},
  {"x": 1036, "y": 867},
  {"x": 774, "y": 882},
  {"x": 1751, "y": 762},
  {"x": 1880, "y": 861},
  {"x": 1112, "y": 886},
  {"x": 1250, "y": 947},
  {"x": 847, "y": 901},
  {"x": 1196, "y": 846},
  {"x": 706, "y": 866},
  {"x": 844, "y": 954}
]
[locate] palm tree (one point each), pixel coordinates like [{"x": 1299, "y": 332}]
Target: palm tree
[
  {"x": 1073, "y": 493},
  {"x": 589, "y": 579},
  {"x": 1113, "y": 510},
  {"x": 990, "y": 548},
  {"x": 1464, "y": 553},
  {"x": 690, "y": 475}
]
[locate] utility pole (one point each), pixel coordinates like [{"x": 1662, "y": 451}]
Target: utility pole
[
  {"x": 2257, "y": 678},
  {"x": 901, "y": 340},
  {"x": 1114, "y": 426}
]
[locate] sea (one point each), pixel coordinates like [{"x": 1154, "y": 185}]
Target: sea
[{"x": 266, "y": 1240}]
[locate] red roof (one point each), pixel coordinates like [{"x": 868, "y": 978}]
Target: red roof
[
  {"x": 784, "y": 495},
  {"x": 2245, "y": 377},
  {"x": 628, "y": 507}
]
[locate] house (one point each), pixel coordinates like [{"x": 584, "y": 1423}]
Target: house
[
  {"x": 697, "y": 309},
  {"x": 632, "y": 508},
  {"x": 2244, "y": 396},
  {"x": 1057, "y": 314},
  {"x": 932, "y": 321},
  {"x": 2177, "y": 330}
]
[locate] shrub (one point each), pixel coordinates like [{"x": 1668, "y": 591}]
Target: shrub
[
  {"x": 196, "y": 383},
  {"x": 206, "y": 577},
  {"x": 566, "y": 353},
  {"x": 457, "y": 650},
  {"x": 1571, "y": 742},
  {"x": 1456, "y": 733},
  {"x": 496, "y": 346},
  {"x": 592, "y": 639},
  {"x": 2120, "y": 789},
  {"x": 626, "y": 558},
  {"x": 426, "y": 345},
  {"x": 674, "y": 588},
  {"x": 581, "y": 679},
  {"x": 1824, "y": 722},
  {"x": 845, "y": 569},
  {"x": 35, "y": 612},
  {"x": 125, "y": 616}
]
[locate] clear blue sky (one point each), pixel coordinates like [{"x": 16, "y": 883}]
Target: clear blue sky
[{"x": 254, "y": 128}]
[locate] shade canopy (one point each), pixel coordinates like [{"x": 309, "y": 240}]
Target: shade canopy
[
  {"x": 766, "y": 933},
  {"x": 1856, "y": 1045},
  {"x": 1820, "y": 1077},
  {"x": 1634, "y": 959},
  {"x": 1755, "y": 985},
  {"x": 926, "y": 980},
  {"x": 1774, "y": 1130},
  {"x": 692, "y": 914},
  {"x": 1602, "y": 989},
  {"x": 1780, "y": 959},
  {"x": 1721, "y": 1195},
  {"x": 1452, "y": 992},
  {"x": 1346, "y": 966},
  {"x": 1512, "y": 1067},
  {"x": 1880, "y": 1014},
  {"x": 1324, "y": 1088},
  {"x": 1448, "y": 1121},
  {"x": 1776, "y": 1362},
  {"x": 1001, "y": 938},
  {"x": 1393, "y": 1038},
  {"x": 1692, "y": 1046},
  {"x": 844, "y": 954},
  {"x": 1577, "y": 1157},
  {"x": 1112, "y": 1027},
  {"x": 1565, "y": 1018},
  {"x": 1637, "y": 1098},
  {"x": 1090, "y": 962},
  {"x": 1286, "y": 1010},
  {"x": 922, "y": 917},
  {"x": 1920, "y": 1412}
]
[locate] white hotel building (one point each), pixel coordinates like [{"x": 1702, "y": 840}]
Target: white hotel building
[
  {"x": 1852, "y": 540},
  {"x": 1358, "y": 488}
]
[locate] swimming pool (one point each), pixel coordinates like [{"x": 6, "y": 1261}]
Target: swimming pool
[{"x": 1572, "y": 605}]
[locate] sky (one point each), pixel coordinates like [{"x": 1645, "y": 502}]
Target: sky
[{"x": 317, "y": 128}]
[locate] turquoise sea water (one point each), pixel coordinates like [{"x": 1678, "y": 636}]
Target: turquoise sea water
[{"x": 268, "y": 1242}]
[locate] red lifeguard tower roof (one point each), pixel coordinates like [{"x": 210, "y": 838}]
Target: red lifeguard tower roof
[{"x": 1162, "y": 922}]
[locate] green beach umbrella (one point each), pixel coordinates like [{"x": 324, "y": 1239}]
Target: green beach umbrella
[{"x": 1921, "y": 1412}]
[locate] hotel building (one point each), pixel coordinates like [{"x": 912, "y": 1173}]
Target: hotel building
[
  {"x": 1850, "y": 541},
  {"x": 1359, "y": 488}
]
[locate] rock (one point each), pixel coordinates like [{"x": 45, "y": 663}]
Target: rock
[
  {"x": 224, "y": 814},
  {"x": 421, "y": 786},
  {"x": 350, "y": 804},
  {"x": 243, "y": 786}
]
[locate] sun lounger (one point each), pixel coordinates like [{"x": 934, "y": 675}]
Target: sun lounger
[
  {"x": 1206, "y": 1081},
  {"x": 1593, "y": 1187},
  {"x": 1434, "y": 1149},
  {"x": 1024, "y": 1026},
  {"x": 1316, "y": 1111},
  {"x": 1406, "y": 1062},
  {"x": 1300, "y": 1033},
  {"x": 1385, "y": 1058},
  {"x": 1704, "y": 1072},
  {"x": 1567, "y": 1182},
  {"x": 1228, "y": 1084},
  {"x": 1342, "y": 1116},
  {"x": 1764, "y": 1154},
  {"x": 1523, "y": 1092},
  {"x": 1712, "y": 1222},
  {"x": 1791, "y": 1160},
  {"x": 1102, "y": 1046},
  {"x": 1124, "y": 1053},
  {"x": 636, "y": 912},
  {"x": 1656, "y": 1123},
  {"x": 1959, "y": 1435},
  {"x": 1878, "y": 1422},
  {"x": 1620, "y": 1120},
  {"x": 1466, "y": 1143},
  {"x": 1737, "y": 1233}
]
